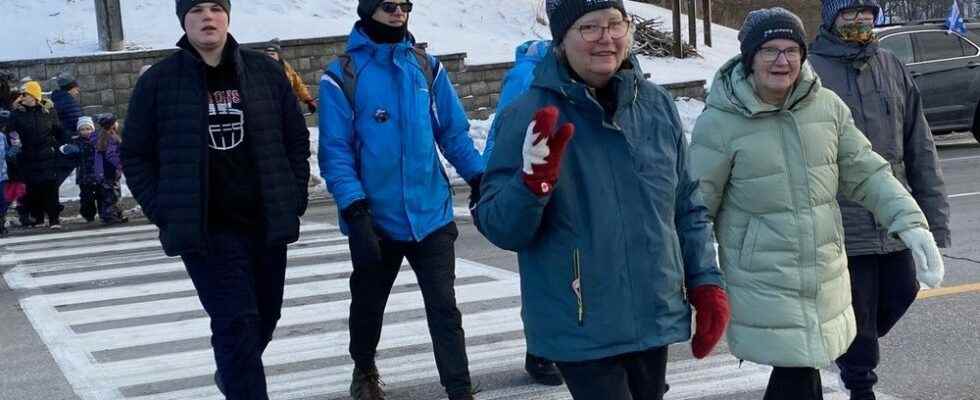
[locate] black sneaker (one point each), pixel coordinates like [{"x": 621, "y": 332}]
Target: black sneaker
[
  {"x": 366, "y": 385},
  {"x": 542, "y": 371}
]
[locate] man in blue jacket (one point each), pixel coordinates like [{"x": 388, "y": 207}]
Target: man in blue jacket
[{"x": 378, "y": 156}]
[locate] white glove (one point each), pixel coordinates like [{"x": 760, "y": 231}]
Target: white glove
[
  {"x": 929, "y": 268},
  {"x": 534, "y": 154}
]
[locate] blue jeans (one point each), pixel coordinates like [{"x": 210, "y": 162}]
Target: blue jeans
[{"x": 240, "y": 284}]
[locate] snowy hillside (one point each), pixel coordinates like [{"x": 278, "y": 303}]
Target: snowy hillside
[{"x": 487, "y": 31}]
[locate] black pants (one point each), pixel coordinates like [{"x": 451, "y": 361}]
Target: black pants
[
  {"x": 794, "y": 384},
  {"x": 636, "y": 376},
  {"x": 883, "y": 288},
  {"x": 88, "y": 197},
  {"x": 42, "y": 200},
  {"x": 240, "y": 284},
  {"x": 434, "y": 262}
]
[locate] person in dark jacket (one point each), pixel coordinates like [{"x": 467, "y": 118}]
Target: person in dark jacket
[
  {"x": 7, "y": 93},
  {"x": 379, "y": 156},
  {"x": 36, "y": 121},
  {"x": 81, "y": 148},
  {"x": 887, "y": 108},
  {"x": 216, "y": 153},
  {"x": 65, "y": 100},
  {"x": 611, "y": 234}
]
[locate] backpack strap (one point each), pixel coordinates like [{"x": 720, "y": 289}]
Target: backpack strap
[
  {"x": 348, "y": 83},
  {"x": 425, "y": 64}
]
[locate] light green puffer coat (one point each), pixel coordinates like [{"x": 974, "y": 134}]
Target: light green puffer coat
[{"x": 770, "y": 176}]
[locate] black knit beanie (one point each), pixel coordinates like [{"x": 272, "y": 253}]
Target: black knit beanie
[
  {"x": 767, "y": 24},
  {"x": 183, "y": 6},
  {"x": 562, "y": 14},
  {"x": 365, "y": 8}
]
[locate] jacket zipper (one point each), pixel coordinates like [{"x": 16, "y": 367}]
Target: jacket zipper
[{"x": 577, "y": 285}]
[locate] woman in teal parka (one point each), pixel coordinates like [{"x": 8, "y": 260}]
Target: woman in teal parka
[{"x": 611, "y": 233}]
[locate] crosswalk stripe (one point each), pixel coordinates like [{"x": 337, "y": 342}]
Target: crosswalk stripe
[
  {"x": 38, "y": 255},
  {"x": 146, "y": 337}
]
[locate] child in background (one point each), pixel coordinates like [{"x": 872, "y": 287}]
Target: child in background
[
  {"x": 109, "y": 167},
  {"x": 99, "y": 169},
  {"x": 82, "y": 149}
]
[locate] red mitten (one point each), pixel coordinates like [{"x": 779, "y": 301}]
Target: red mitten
[
  {"x": 712, "y": 310},
  {"x": 543, "y": 148}
]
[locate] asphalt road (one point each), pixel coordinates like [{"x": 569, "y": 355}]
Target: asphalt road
[{"x": 934, "y": 353}]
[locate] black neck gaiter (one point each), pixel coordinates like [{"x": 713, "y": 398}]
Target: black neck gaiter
[{"x": 381, "y": 33}]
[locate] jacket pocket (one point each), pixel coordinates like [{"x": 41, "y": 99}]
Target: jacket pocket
[
  {"x": 577, "y": 286},
  {"x": 747, "y": 251}
]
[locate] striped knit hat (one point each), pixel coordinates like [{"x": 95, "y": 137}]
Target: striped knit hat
[{"x": 831, "y": 8}]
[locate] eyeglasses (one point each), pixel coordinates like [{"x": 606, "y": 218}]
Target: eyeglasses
[
  {"x": 855, "y": 13},
  {"x": 390, "y": 7},
  {"x": 771, "y": 54},
  {"x": 593, "y": 33}
]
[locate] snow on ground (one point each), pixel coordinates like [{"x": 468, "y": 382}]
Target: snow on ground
[{"x": 487, "y": 31}]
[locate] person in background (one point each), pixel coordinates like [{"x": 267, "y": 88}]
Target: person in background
[
  {"x": 81, "y": 148},
  {"x": 773, "y": 151},
  {"x": 274, "y": 50},
  {"x": 888, "y": 110},
  {"x": 4, "y": 151},
  {"x": 35, "y": 119},
  {"x": 66, "y": 103}
]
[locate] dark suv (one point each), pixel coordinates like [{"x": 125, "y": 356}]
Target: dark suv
[{"x": 945, "y": 66}]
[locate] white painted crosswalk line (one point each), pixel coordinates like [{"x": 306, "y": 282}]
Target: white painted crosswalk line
[{"x": 145, "y": 338}]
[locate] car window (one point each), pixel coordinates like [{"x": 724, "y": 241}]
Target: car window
[
  {"x": 932, "y": 46},
  {"x": 901, "y": 45}
]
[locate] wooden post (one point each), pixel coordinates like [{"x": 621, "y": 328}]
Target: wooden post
[
  {"x": 108, "y": 19},
  {"x": 678, "y": 50},
  {"x": 692, "y": 22},
  {"x": 706, "y": 16}
]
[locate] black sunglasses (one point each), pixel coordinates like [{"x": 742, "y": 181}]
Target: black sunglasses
[{"x": 390, "y": 7}]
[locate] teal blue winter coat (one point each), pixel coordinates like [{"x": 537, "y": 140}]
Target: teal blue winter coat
[{"x": 625, "y": 219}]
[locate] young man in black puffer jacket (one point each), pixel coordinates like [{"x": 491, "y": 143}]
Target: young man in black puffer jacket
[{"x": 216, "y": 153}]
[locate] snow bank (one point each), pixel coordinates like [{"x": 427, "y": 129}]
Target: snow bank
[{"x": 487, "y": 31}]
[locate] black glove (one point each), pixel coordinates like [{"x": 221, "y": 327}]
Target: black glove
[
  {"x": 365, "y": 248},
  {"x": 475, "y": 189}
]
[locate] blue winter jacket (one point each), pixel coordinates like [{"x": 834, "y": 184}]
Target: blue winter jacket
[
  {"x": 384, "y": 149},
  {"x": 68, "y": 110},
  {"x": 517, "y": 81},
  {"x": 625, "y": 221}
]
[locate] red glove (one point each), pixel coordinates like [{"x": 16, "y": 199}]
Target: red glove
[
  {"x": 544, "y": 145},
  {"x": 711, "y": 305}
]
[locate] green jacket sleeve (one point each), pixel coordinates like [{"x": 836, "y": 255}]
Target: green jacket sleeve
[
  {"x": 711, "y": 161},
  {"x": 865, "y": 177}
]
